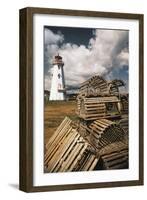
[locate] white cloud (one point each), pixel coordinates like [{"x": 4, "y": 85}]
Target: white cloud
[
  {"x": 106, "y": 50},
  {"x": 123, "y": 57},
  {"x": 52, "y": 38}
]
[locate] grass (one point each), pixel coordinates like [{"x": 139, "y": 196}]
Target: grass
[{"x": 54, "y": 113}]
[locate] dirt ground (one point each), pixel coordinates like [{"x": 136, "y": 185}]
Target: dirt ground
[{"x": 54, "y": 113}]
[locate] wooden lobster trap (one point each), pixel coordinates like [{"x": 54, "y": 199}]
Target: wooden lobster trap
[
  {"x": 102, "y": 132},
  {"x": 68, "y": 151},
  {"x": 93, "y": 108}
]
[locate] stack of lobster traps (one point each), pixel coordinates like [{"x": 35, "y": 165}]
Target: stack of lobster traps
[
  {"x": 103, "y": 121},
  {"x": 98, "y": 140}
]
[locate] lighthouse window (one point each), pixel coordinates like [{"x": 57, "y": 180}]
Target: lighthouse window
[{"x": 59, "y": 76}]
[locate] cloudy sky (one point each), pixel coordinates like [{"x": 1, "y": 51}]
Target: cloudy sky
[{"x": 86, "y": 52}]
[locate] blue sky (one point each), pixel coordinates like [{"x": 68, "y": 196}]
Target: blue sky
[{"x": 87, "y": 52}]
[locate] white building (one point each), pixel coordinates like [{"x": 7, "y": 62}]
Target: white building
[{"x": 57, "y": 91}]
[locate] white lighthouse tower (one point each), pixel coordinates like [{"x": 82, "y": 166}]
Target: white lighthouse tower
[{"x": 57, "y": 91}]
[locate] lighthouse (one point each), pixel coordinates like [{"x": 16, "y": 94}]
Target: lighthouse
[{"x": 57, "y": 91}]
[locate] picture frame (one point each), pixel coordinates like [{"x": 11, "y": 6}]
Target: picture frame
[{"x": 27, "y": 142}]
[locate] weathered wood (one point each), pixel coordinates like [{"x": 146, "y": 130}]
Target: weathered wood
[
  {"x": 66, "y": 150},
  {"x": 94, "y": 86},
  {"x": 124, "y": 123},
  {"x": 96, "y": 107},
  {"x": 114, "y": 156},
  {"x": 103, "y": 132}
]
